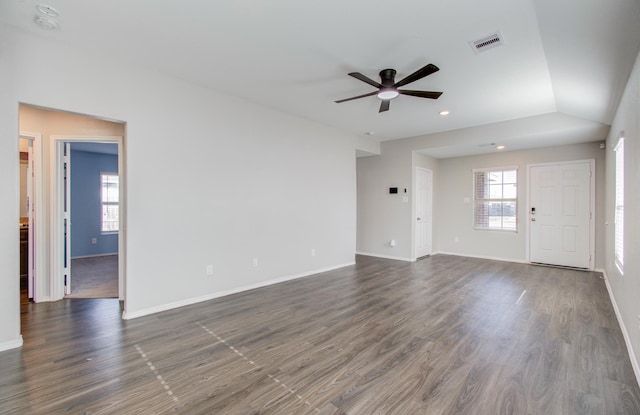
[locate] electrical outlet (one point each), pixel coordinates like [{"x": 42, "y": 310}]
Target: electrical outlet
[
  {"x": 209, "y": 269},
  {"x": 255, "y": 262},
  {"x": 94, "y": 241},
  {"x": 313, "y": 252}
]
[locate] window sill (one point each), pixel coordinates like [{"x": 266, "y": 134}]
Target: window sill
[{"x": 496, "y": 230}]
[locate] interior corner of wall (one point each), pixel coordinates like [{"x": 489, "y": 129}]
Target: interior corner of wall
[{"x": 365, "y": 146}]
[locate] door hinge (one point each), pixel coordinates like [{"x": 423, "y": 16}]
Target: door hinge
[{"x": 65, "y": 280}]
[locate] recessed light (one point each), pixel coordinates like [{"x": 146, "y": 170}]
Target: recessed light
[
  {"x": 444, "y": 113},
  {"x": 47, "y": 10},
  {"x": 500, "y": 147},
  {"x": 369, "y": 133},
  {"x": 46, "y": 23}
]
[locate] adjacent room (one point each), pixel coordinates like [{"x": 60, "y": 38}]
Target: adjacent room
[{"x": 328, "y": 208}]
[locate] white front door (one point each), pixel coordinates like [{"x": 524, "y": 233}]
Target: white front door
[
  {"x": 423, "y": 209},
  {"x": 560, "y": 214}
]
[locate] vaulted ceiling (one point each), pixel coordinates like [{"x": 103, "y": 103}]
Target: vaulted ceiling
[{"x": 571, "y": 58}]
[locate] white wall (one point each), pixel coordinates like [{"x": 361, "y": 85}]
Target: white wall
[
  {"x": 10, "y": 188},
  {"x": 383, "y": 216},
  {"x": 211, "y": 179},
  {"x": 455, "y": 218},
  {"x": 625, "y": 288}
]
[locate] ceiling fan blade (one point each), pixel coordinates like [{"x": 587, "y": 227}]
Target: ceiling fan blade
[
  {"x": 421, "y": 94},
  {"x": 420, "y": 73},
  {"x": 359, "y": 96},
  {"x": 384, "y": 105},
  {"x": 363, "y": 78}
]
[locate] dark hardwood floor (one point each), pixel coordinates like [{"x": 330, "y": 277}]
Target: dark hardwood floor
[{"x": 444, "y": 335}]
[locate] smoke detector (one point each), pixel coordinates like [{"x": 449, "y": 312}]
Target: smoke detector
[
  {"x": 47, "y": 10},
  {"x": 488, "y": 42}
]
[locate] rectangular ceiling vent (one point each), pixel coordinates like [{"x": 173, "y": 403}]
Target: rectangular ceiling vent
[{"x": 488, "y": 42}]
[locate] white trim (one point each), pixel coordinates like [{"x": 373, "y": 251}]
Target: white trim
[
  {"x": 56, "y": 283},
  {"x": 212, "y": 296},
  {"x": 39, "y": 246},
  {"x": 475, "y": 226},
  {"x": 94, "y": 255},
  {"x": 397, "y": 258},
  {"x": 619, "y": 142},
  {"x": 623, "y": 328},
  {"x": 618, "y": 256},
  {"x": 13, "y": 344},
  {"x": 519, "y": 261},
  {"x": 497, "y": 168}
]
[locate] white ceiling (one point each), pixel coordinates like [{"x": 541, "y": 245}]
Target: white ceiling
[{"x": 570, "y": 57}]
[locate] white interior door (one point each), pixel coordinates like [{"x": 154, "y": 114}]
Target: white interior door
[
  {"x": 31, "y": 216},
  {"x": 423, "y": 208},
  {"x": 66, "y": 211},
  {"x": 560, "y": 214},
  {"x": 36, "y": 210}
]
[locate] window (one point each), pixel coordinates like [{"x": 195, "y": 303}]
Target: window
[
  {"x": 495, "y": 198},
  {"x": 619, "y": 208},
  {"x": 109, "y": 194}
]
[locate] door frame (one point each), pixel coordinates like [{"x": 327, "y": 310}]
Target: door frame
[
  {"x": 37, "y": 245},
  {"x": 415, "y": 212},
  {"x": 57, "y": 208},
  {"x": 592, "y": 206}
]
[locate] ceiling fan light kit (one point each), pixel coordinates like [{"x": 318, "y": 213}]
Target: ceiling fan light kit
[
  {"x": 388, "y": 87},
  {"x": 388, "y": 93}
]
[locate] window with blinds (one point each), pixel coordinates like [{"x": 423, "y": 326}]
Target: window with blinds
[
  {"x": 619, "y": 208},
  {"x": 495, "y": 198},
  {"x": 110, "y": 202}
]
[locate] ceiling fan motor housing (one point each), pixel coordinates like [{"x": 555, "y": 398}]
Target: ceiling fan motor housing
[{"x": 388, "y": 77}]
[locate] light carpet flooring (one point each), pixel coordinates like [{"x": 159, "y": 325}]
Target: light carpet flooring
[{"x": 94, "y": 277}]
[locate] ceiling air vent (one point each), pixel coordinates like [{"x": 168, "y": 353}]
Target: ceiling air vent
[{"x": 488, "y": 42}]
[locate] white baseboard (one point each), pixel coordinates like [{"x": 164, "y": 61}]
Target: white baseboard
[
  {"x": 94, "y": 255},
  {"x": 13, "y": 344},
  {"x": 625, "y": 333},
  {"x": 190, "y": 301},
  {"x": 397, "y": 258},
  {"x": 519, "y": 261}
]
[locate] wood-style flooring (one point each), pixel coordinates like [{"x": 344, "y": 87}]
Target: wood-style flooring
[{"x": 443, "y": 335}]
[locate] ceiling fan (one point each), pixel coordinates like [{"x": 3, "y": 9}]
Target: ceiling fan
[{"x": 388, "y": 87}]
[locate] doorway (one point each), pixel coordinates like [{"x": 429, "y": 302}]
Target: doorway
[
  {"x": 87, "y": 215},
  {"x": 31, "y": 221},
  {"x": 53, "y": 127},
  {"x": 423, "y": 212},
  {"x": 561, "y": 214}
]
